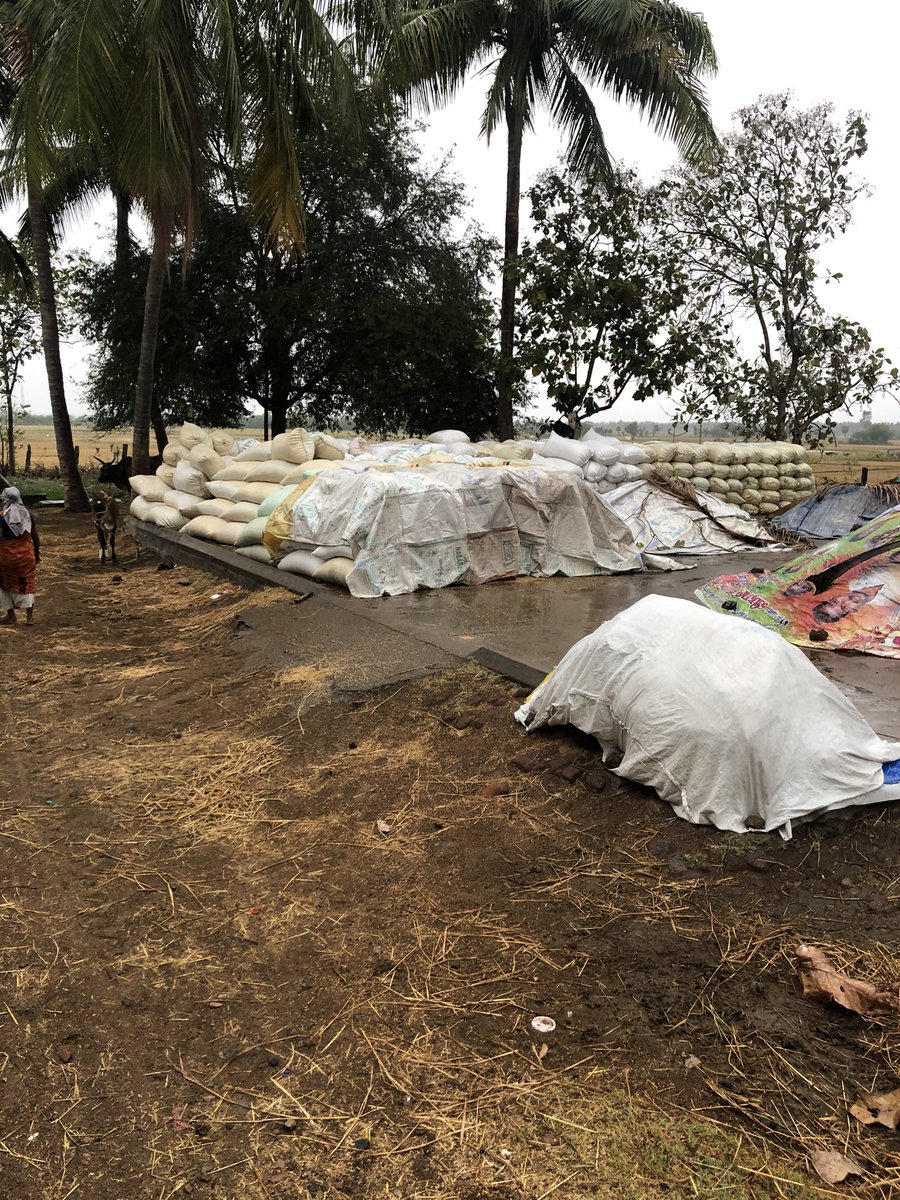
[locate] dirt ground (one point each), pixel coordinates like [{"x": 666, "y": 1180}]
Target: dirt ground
[{"x": 265, "y": 936}]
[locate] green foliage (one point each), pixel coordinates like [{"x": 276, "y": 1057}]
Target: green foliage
[
  {"x": 551, "y": 53},
  {"x": 20, "y": 340},
  {"x": 383, "y": 321},
  {"x": 752, "y": 224},
  {"x": 875, "y": 435},
  {"x": 605, "y": 308}
]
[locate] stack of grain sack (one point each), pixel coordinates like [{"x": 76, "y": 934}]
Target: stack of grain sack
[
  {"x": 759, "y": 477},
  {"x": 605, "y": 462},
  {"x": 213, "y": 487}
]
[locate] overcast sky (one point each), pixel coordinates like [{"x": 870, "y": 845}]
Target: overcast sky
[{"x": 819, "y": 49}]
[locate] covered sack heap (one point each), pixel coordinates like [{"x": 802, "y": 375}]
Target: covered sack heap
[
  {"x": 726, "y": 721},
  {"x": 384, "y": 519}
]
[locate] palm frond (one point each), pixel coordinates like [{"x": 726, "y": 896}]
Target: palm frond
[
  {"x": 80, "y": 44},
  {"x": 15, "y": 269},
  {"x": 572, "y": 109},
  {"x": 672, "y": 99},
  {"x": 436, "y": 47},
  {"x": 654, "y": 64},
  {"x": 80, "y": 179},
  {"x": 291, "y": 59}
]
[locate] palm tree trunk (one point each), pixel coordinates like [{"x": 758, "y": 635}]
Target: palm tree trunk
[
  {"x": 123, "y": 235},
  {"x": 143, "y": 392},
  {"x": 506, "y": 374},
  {"x": 75, "y": 496},
  {"x": 159, "y": 426}
]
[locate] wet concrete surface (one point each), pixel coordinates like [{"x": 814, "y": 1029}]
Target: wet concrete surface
[
  {"x": 535, "y": 621},
  {"x": 526, "y": 625}
]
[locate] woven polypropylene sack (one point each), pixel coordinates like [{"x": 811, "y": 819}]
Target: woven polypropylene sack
[
  {"x": 254, "y": 493},
  {"x": 151, "y": 487},
  {"x": 214, "y": 508},
  {"x": 251, "y": 534},
  {"x": 331, "y": 448},
  {"x": 188, "y": 479},
  {"x": 258, "y": 452},
  {"x": 243, "y": 513},
  {"x": 294, "y": 446},
  {"x": 165, "y": 517},
  {"x": 223, "y": 489},
  {"x": 205, "y": 459},
  {"x": 192, "y": 435}
]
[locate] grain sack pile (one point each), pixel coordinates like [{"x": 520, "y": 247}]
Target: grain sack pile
[
  {"x": 435, "y": 522},
  {"x": 387, "y": 518},
  {"x": 727, "y": 722},
  {"x": 222, "y": 490},
  {"x": 605, "y": 462},
  {"x": 759, "y": 477}
]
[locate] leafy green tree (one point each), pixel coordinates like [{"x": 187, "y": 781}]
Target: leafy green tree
[
  {"x": 154, "y": 82},
  {"x": 651, "y": 53},
  {"x": 752, "y": 224},
  {"x": 20, "y": 340},
  {"x": 383, "y": 321},
  {"x": 608, "y": 305}
]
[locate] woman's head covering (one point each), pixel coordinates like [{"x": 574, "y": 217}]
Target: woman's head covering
[{"x": 15, "y": 514}]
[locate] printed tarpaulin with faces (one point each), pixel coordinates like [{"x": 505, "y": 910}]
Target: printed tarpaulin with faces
[{"x": 843, "y": 596}]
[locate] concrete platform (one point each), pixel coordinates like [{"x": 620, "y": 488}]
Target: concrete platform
[{"x": 520, "y": 628}]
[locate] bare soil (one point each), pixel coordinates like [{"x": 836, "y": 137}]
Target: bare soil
[{"x": 265, "y": 935}]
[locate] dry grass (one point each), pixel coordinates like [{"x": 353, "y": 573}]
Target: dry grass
[{"x": 422, "y": 1079}]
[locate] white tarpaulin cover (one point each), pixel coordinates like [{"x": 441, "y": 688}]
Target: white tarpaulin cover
[
  {"x": 727, "y": 721},
  {"x": 692, "y": 523},
  {"x": 450, "y": 523}
]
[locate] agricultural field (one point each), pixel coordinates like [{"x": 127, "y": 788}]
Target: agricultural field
[{"x": 89, "y": 442}]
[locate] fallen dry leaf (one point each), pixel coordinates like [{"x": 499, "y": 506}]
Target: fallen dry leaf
[
  {"x": 178, "y": 1122},
  {"x": 878, "y": 1110},
  {"x": 383, "y": 827},
  {"x": 822, "y": 982},
  {"x": 834, "y": 1167},
  {"x": 498, "y": 787}
]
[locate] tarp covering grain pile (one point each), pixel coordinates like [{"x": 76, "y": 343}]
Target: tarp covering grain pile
[
  {"x": 384, "y": 519},
  {"x": 838, "y": 510},
  {"x": 669, "y": 520},
  {"x": 842, "y": 596},
  {"x": 435, "y": 524},
  {"x": 730, "y": 725}
]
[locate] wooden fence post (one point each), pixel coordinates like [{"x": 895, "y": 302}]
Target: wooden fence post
[{"x": 28, "y": 458}]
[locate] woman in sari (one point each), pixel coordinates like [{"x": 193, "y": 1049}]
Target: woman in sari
[{"x": 20, "y": 552}]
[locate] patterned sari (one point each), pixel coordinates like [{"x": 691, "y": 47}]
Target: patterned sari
[{"x": 17, "y": 567}]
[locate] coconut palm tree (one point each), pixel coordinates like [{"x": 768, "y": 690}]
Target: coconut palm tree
[
  {"x": 152, "y": 81},
  {"x": 29, "y": 161},
  {"x": 550, "y": 53}
]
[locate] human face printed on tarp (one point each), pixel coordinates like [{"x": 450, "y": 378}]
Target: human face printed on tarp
[
  {"x": 800, "y": 588},
  {"x": 830, "y": 611}
]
